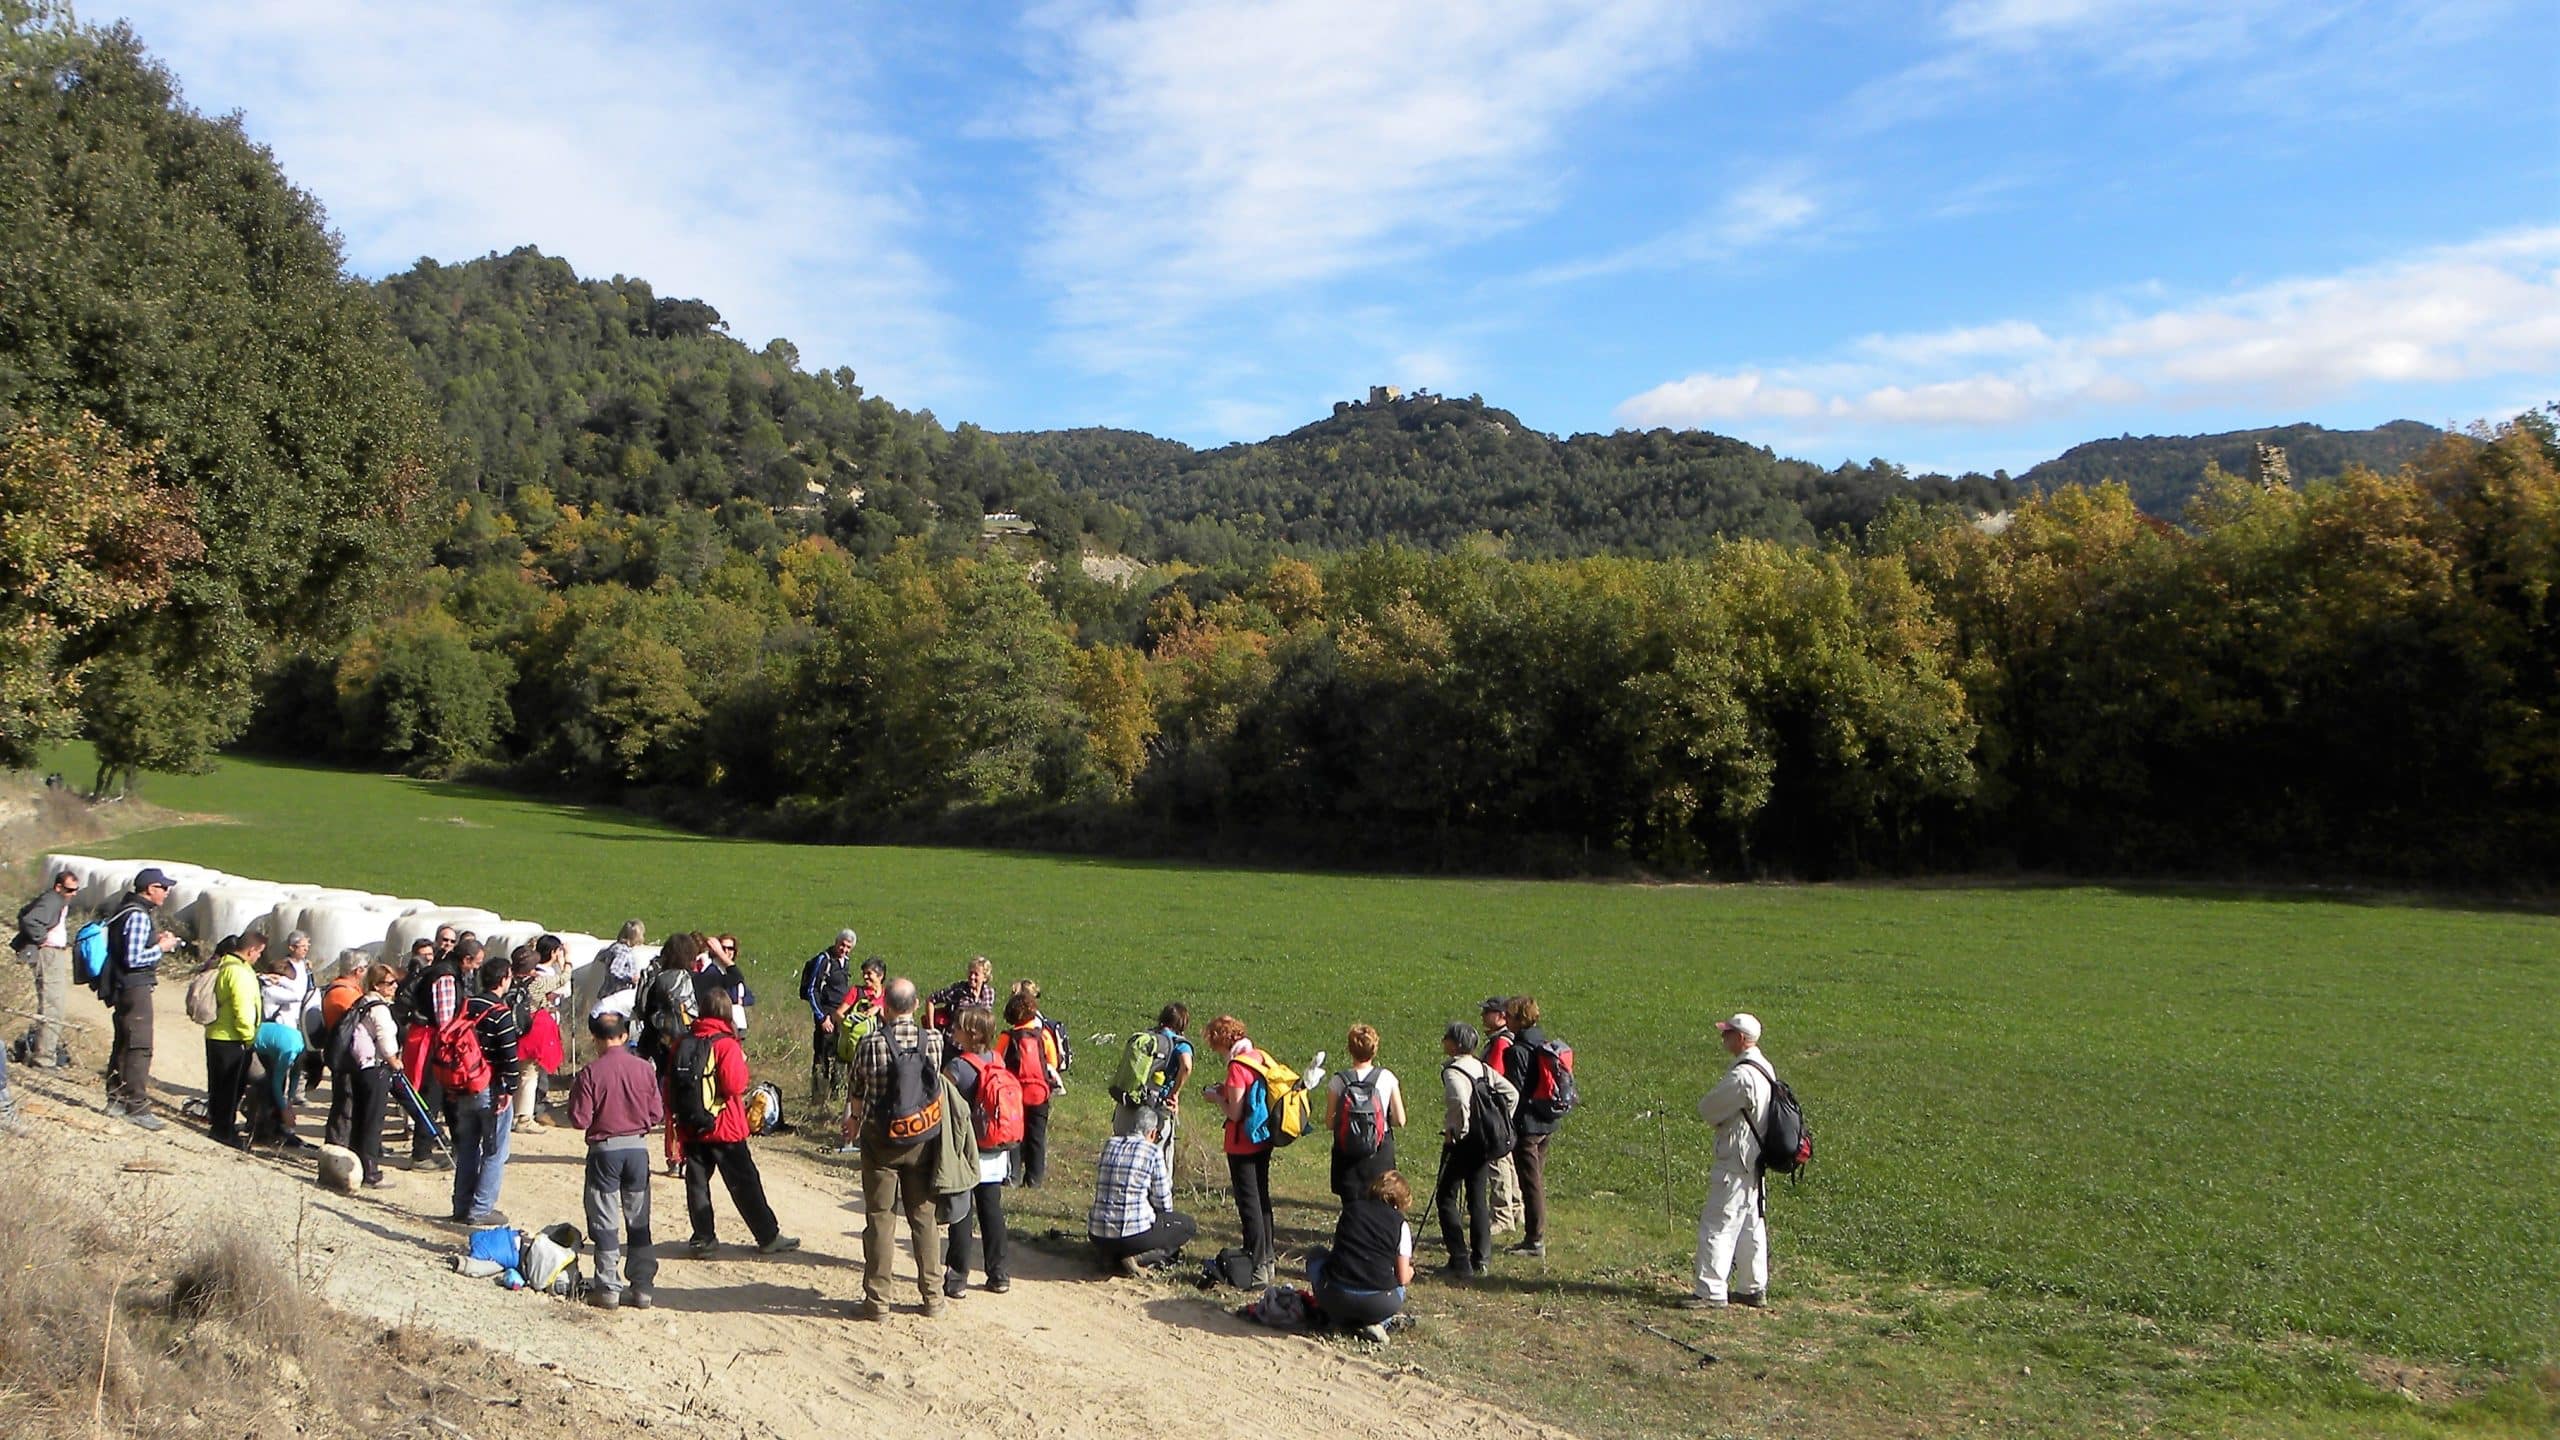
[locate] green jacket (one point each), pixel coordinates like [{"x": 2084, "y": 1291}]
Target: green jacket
[
  {"x": 955, "y": 1155},
  {"x": 235, "y": 1001}
]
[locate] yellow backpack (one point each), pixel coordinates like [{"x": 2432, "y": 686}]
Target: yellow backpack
[{"x": 1279, "y": 1110}]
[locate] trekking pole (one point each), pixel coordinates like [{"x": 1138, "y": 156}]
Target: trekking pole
[{"x": 1662, "y": 1153}]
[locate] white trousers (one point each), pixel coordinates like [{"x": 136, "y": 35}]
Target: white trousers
[{"x": 1733, "y": 1239}]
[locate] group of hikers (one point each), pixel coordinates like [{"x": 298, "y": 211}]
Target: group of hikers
[{"x": 946, "y": 1098}]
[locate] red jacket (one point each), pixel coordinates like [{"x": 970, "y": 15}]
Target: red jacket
[{"x": 729, "y": 1071}]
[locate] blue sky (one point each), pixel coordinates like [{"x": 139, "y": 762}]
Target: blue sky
[{"x": 1958, "y": 234}]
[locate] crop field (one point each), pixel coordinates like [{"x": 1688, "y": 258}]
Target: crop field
[{"x": 2280, "y": 1115}]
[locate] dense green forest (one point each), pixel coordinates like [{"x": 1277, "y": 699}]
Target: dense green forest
[
  {"x": 2165, "y": 471},
  {"x": 612, "y": 397},
  {"x": 648, "y": 574},
  {"x": 1431, "y": 471}
]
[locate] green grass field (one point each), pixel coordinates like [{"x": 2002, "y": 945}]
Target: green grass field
[{"x": 2276, "y": 1116}]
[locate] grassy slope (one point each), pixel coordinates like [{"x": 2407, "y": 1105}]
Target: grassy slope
[{"x": 2196, "y": 1116}]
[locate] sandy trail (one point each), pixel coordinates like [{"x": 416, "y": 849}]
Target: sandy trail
[{"x": 743, "y": 1344}]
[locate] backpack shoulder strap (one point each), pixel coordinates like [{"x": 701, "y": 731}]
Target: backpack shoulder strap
[{"x": 1760, "y": 1131}]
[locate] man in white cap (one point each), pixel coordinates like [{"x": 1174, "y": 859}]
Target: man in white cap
[{"x": 1733, "y": 1235}]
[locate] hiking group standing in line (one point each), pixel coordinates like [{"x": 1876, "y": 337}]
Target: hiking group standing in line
[{"x": 948, "y": 1098}]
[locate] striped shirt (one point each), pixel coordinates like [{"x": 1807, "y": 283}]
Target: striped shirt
[{"x": 1132, "y": 1189}]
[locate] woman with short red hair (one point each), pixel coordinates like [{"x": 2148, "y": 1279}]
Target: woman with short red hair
[{"x": 1248, "y": 1160}]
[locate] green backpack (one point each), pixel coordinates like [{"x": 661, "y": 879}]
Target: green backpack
[
  {"x": 850, "y": 1030},
  {"x": 1146, "y": 1068}
]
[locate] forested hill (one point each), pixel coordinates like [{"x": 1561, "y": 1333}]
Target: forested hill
[
  {"x": 1430, "y": 471},
  {"x": 2163, "y": 471},
  {"x": 618, "y": 398}
]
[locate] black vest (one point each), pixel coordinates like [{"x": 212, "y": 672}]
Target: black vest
[{"x": 1364, "y": 1246}]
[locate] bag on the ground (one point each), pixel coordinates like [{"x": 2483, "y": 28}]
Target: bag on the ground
[
  {"x": 454, "y": 1057},
  {"x": 1230, "y": 1267},
  {"x": 1489, "y": 1119},
  {"x": 1550, "y": 1093},
  {"x": 911, "y": 1113},
  {"x": 1146, "y": 1069},
  {"x": 1024, "y": 1055},
  {"x": 694, "y": 1090},
  {"x": 764, "y": 1108},
  {"x": 1359, "y": 1122},
  {"x": 995, "y": 1107},
  {"x": 1277, "y": 1108},
  {"x": 1786, "y": 1142},
  {"x": 203, "y": 1004}
]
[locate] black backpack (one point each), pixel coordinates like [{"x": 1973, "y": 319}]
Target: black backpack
[
  {"x": 342, "y": 1038},
  {"x": 1489, "y": 1120},
  {"x": 1359, "y": 1127},
  {"x": 667, "y": 1010},
  {"x": 911, "y": 1112},
  {"x": 1786, "y": 1142},
  {"x": 694, "y": 1092}
]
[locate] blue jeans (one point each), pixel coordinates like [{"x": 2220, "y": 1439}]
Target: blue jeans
[
  {"x": 1349, "y": 1309},
  {"x": 480, "y": 1138}
]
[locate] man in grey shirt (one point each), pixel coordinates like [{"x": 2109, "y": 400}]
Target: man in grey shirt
[{"x": 44, "y": 942}]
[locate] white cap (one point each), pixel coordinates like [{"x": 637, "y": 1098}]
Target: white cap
[{"x": 1746, "y": 1022}]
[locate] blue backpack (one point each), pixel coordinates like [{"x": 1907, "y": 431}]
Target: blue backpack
[{"x": 89, "y": 953}]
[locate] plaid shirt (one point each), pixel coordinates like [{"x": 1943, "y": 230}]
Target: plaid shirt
[
  {"x": 871, "y": 1057},
  {"x": 1132, "y": 1189},
  {"x": 136, "y": 952}
]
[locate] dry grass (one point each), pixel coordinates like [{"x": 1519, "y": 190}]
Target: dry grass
[{"x": 110, "y": 1329}]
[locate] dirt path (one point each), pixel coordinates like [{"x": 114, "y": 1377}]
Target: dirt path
[{"x": 742, "y": 1344}]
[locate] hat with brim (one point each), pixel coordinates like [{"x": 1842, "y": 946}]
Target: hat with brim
[{"x": 1747, "y": 1023}]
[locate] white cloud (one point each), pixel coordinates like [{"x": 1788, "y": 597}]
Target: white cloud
[
  {"x": 1758, "y": 214},
  {"x": 2484, "y": 311},
  {"x": 627, "y": 139},
  {"x": 1208, "y": 152}
]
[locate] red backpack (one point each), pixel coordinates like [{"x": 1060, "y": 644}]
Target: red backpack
[
  {"x": 996, "y": 1108},
  {"x": 454, "y": 1055},
  {"x": 1027, "y": 1058}
]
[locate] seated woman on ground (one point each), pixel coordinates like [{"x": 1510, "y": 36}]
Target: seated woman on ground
[{"x": 1359, "y": 1280}]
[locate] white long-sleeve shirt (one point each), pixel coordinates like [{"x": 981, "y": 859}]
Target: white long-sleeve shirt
[{"x": 1737, "y": 1107}]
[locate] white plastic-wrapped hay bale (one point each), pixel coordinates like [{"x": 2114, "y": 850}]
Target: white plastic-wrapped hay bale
[
  {"x": 78, "y": 865},
  {"x": 506, "y": 935},
  {"x": 419, "y": 925},
  {"x": 335, "y": 927},
  {"x": 105, "y": 884},
  {"x": 187, "y": 884},
  {"x": 395, "y": 907},
  {"x": 281, "y": 920},
  {"x": 229, "y": 907}
]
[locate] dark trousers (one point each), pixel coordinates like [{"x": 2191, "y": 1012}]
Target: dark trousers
[
  {"x": 342, "y": 1111},
  {"x": 1463, "y": 1168},
  {"x": 226, "y": 1078},
  {"x": 1529, "y": 1159},
  {"x": 369, "y": 1091},
  {"x": 737, "y": 1167},
  {"x": 1033, "y": 1158},
  {"x": 430, "y": 1095},
  {"x": 985, "y": 1221},
  {"x": 1351, "y": 1177},
  {"x": 1250, "y": 1177},
  {"x": 1155, "y": 1244},
  {"x": 129, "y": 1060},
  {"x": 1348, "y": 1309}
]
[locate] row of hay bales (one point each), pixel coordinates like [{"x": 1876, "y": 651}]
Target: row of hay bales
[{"x": 205, "y": 906}]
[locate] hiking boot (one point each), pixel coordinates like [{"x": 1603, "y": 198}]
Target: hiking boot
[
  {"x": 604, "y": 1299},
  {"x": 113, "y": 1109},
  {"x": 1374, "y": 1334},
  {"x": 431, "y": 1162},
  {"x": 700, "y": 1247},
  {"x": 1459, "y": 1270},
  {"x": 953, "y": 1287},
  {"x": 1700, "y": 1302},
  {"x": 10, "y": 1124},
  {"x": 1129, "y": 1266},
  {"x": 997, "y": 1285},
  {"x": 377, "y": 1182},
  {"x": 1753, "y": 1298},
  {"x": 936, "y": 1308},
  {"x": 779, "y": 1245},
  {"x": 870, "y": 1310},
  {"x": 146, "y": 1120},
  {"x": 484, "y": 1219},
  {"x": 640, "y": 1300},
  {"x": 1535, "y": 1249}
]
